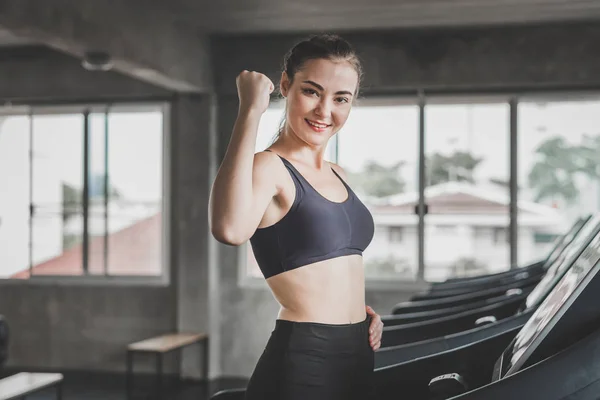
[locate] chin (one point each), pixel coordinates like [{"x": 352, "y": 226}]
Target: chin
[{"x": 316, "y": 138}]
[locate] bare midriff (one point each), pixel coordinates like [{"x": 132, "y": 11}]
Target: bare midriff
[{"x": 329, "y": 292}]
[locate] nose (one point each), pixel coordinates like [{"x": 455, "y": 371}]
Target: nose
[{"x": 323, "y": 109}]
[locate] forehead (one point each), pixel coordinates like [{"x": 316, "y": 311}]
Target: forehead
[{"x": 332, "y": 75}]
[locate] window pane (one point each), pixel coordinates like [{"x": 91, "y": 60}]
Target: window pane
[
  {"x": 378, "y": 149},
  {"x": 14, "y": 197},
  {"x": 124, "y": 193},
  {"x": 135, "y": 167},
  {"x": 97, "y": 226},
  {"x": 559, "y": 173},
  {"x": 57, "y": 187},
  {"x": 467, "y": 190}
]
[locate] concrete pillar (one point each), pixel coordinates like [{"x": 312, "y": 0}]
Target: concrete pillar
[{"x": 192, "y": 163}]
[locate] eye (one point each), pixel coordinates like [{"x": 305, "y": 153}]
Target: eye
[
  {"x": 342, "y": 100},
  {"x": 309, "y": 91}
]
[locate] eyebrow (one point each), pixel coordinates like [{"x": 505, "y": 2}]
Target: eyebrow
[{"x": 321, "y": 88}]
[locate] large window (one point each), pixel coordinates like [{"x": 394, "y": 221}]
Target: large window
[
  {"x": 467, "y": 159},
  {"x": 378, "y": 149},
  {"x": 465, "y": 150},
  {"x": 559, "y": 169},
  {"x": 82, "y": 192}
]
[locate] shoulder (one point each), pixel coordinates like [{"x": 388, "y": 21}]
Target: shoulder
[
  {"x": 265, "y": 161},
  {"x": 340, "y": 171},
  {"x": 267, "y": 167}
]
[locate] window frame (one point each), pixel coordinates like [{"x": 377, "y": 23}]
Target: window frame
[{"x": 163, "y": 279}]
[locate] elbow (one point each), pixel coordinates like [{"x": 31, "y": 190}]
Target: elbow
[{"x": 227, "y": 236}]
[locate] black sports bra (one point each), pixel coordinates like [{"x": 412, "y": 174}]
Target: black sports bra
[{"x": 314, "y": 229}]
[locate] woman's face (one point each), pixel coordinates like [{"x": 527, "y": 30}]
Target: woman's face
[{"x": 319, "y": 99}]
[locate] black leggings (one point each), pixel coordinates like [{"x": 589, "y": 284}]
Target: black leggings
[{"x": 313, "y": 361}]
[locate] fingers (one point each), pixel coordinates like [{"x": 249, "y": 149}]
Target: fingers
[
  {"x": 375, "y": 343},
  {"x": 375, "y": 332}
]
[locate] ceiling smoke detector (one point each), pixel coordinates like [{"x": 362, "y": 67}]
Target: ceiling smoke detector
[{"x": 96, "y": 61}]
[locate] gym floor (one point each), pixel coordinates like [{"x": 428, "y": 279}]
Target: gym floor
[{"x": 107, "y": 386}]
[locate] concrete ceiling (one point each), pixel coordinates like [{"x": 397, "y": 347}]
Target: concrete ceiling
[
  {"x": 248, "y": 16},
  {"x": 167, "y": 42}
]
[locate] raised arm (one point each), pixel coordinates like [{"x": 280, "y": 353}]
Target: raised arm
[{"x": 244, "y": 185}]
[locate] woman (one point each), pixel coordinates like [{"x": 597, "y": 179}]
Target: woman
[{"x": 306, "y": 226}]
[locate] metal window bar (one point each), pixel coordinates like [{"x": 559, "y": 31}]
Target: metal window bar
[
  {"x": 85, "y": 192},
  {"x": 31, "y": 206},
  {"x": 514, "y": 184},
  {"x": 106, "y": 191},
  {"x": 422, "y": 183}
]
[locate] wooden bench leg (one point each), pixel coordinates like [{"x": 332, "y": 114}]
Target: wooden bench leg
[
  {"x": 159, "y": 372},
  {"x": 205, "y": 358},
  {"x": 129, "y": 375},
  {"x": 179, "y": 365}
]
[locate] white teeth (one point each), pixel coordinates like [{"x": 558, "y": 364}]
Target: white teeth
[{"x": 316, "y": 125}]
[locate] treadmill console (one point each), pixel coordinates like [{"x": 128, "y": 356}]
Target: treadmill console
[
  {"x": 564, "y": 261},
  {"x": 563, "y": 241},
  {"x": 565, "y": 312}
]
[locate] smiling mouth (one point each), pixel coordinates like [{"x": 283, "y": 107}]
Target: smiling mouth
[{"x": 316, "y": 125}]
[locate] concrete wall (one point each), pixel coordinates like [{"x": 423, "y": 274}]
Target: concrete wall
[
  {"x": 80, "y": 327},
  {"x": 554, "y": 56},
  {"x": 193, "y": 135}
]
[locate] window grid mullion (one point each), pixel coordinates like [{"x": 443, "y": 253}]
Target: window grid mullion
[
  {"x": 106, "y": 191},
  {"x": 85, "y": 195}
]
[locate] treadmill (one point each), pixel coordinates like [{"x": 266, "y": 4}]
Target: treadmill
[
  {"x": 554, "y": 356},
  {"x": 558, "y": 245},
  {"x": 394, "y": 335},
  {"x": 466, "y": 298},
  {"x": 418, "y": 310},
  {"x": 465, "y": 285},
  {"x": 436, "y": 308},
  {"x": 486, "y": 332}
]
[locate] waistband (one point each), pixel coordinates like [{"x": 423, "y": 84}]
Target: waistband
[
  {"x": 283, "y": 324},
  {"x": 314, "y": 337}
]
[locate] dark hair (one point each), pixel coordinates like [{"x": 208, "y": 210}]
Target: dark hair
[{"x": 323, "y": 46}]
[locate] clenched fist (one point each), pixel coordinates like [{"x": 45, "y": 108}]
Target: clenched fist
[{"x": 254, "y": 91}]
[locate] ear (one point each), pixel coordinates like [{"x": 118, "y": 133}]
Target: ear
[{"x": 284, "y": 84}]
